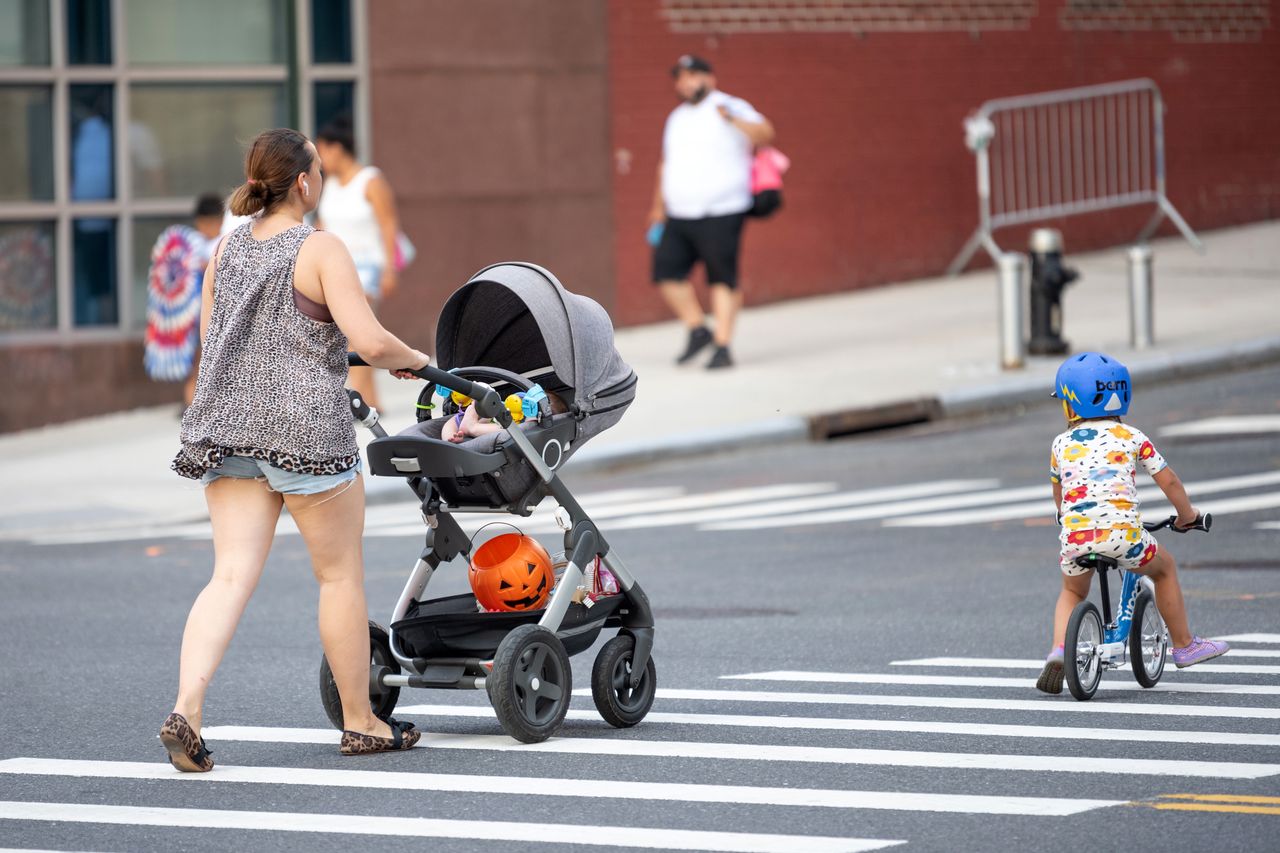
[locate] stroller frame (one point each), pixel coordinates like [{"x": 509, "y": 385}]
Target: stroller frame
[{"x": 583, "y": 542}]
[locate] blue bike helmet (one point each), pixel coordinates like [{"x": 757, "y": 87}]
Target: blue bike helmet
[{"x": 1093, "y": 385}]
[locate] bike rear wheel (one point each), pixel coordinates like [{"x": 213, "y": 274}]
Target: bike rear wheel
[
  {"x": 1083, "y": 664},
  {"x": 1148, "y": 641}
]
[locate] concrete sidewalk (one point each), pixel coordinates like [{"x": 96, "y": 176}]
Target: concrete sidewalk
[{"x": 905, "y": 352}]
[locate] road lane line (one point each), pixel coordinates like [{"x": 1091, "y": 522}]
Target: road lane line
[
  {"x": 1251, "y": 638},
  {"x": 1045, "y": 507},
  {"x": 771, "y": 752},
  {"x": 418, "y": 827},
  {"x": 907, "y": 507},
  {"x": 559, "y": 787},
  {"x": 994, "y": 681},
  {"x": 1011, "y": 663},
  {"x": 906, "y": 726},
  {"x": 1226, "y": 425},
  {"x": 821, "y": 502},
  {"x": 1042, "y": 704}
]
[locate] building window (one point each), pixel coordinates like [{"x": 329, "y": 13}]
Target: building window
[{"x": 119, "y": 113}]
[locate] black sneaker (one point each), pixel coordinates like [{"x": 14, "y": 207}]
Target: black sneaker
[
  {"x": 698, "y": 340},
  {"x": 720, "y": 359}
]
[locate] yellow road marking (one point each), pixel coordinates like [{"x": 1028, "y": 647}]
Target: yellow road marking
[
  {"x": 1224, "y": 798},
  {"x": 1209, "y": 807}
]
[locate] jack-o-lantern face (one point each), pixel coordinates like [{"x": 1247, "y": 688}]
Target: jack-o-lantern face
[{"x": 511, "y": 572}]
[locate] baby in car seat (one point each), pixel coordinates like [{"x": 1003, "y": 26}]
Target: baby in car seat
[{"x": 467, "y": 424}]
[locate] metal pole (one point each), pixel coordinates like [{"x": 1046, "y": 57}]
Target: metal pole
[
  {"x": 1011, "y": 270},
  {"x": 1141, "y": 324}
]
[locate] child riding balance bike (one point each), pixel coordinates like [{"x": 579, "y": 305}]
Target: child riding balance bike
[{"x": 1093, "y": 467}]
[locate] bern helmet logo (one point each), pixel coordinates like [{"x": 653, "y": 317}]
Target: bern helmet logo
[{"x": 1112, "y": 385}]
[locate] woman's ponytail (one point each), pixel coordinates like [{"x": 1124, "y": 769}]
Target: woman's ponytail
[{"x": 274, "y": 160}]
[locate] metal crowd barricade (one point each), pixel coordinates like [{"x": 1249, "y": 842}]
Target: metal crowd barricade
[{"x": 1068, "y": 152}]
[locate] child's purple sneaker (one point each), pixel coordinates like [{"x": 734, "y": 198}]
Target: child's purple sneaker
[
  {"x": 1199, "y": 651},
  {"x": 1050, "y": 680}
]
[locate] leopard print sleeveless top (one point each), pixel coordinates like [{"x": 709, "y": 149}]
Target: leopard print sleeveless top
[{"x": 271, "y": 378}]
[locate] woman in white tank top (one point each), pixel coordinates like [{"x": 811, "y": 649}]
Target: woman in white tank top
[{"x": 359, "y": 207}]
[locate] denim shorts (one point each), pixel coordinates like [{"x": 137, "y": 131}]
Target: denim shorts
[
  {"x": 277, "y": 479},
  {"x": 370, "y": 279}
]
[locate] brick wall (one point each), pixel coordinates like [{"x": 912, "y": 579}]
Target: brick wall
[
  {"x": 490, "y": 119},
  {"x": 870, "y": 111}
]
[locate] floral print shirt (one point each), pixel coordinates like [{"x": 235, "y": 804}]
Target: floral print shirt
[{"x": 1096, "y": 462}]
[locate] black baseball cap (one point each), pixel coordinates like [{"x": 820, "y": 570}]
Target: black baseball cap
[{"x": 689, "y": 62}]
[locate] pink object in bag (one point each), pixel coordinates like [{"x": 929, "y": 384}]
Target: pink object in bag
[{"x": 767, "y": 169}]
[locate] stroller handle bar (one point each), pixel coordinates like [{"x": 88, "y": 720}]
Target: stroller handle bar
[
  {"x": 487, "y": 401},
  {"x": 1203, "y": 522}
]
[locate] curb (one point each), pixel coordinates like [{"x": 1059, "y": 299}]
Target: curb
[{"x": 957, "y": 403}]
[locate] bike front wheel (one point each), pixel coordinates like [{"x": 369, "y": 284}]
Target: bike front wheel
[
  {"x": 1083, "y": 664},
  {"x": 1148, "y": 642}
]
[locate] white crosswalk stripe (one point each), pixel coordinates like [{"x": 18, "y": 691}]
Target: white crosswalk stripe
[
  {"x": 1041, "y": 705},
  {"x": 1211, "y": 668},
  {"x": 415, "y": 827},
  {"x": 586, "y": 788},
  {"x": 993, "y": 681},
  {"x": 785, "y": 753},
  {"x": 912, "y": 726},
  {"x": 1226, "y": 425},
  {"x": 1263, "y": 639}
]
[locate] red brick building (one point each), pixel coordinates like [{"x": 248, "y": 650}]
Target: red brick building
[{"x": 531, "y": 128}]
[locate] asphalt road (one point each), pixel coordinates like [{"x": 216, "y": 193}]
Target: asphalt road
[{"x": 821, "y": 600}]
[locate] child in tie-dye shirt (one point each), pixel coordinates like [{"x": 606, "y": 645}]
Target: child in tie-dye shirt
[{"x": 1094, "y": 469}]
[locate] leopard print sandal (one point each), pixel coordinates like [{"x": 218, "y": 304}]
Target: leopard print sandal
[
  {"x": 403, "y": 736},
  {"x": 187, "y": 751}
]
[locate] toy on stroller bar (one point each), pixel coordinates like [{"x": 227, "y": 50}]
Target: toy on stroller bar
[{"x": 519, "y": 326}]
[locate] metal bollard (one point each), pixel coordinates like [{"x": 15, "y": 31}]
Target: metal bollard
[
  {"x": 1141, "y": 316},
  {"x": 1012, "y": 269}
]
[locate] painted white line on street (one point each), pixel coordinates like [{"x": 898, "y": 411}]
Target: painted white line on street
[
  {"x": 1150, "y": 493},
  {"x": 1267, "y": 525},
  {"x": 823, "y": 502},
  {"x": 1044, "y": 704},
  {"x": 907, "y": 726},
  {"x": 771, "y": 752},
  {"x": 418, "y": 827},
  {"x": 993, "y": 681},
  {"x": 541, "y": 786},
  {"x": 1237, "y": 652},
  {"x": 746, "y": 497},
  {"x": 1228, "y": 425},
  {"x": 886, "y": 510},
  {"x": 1011, "y": 663},
  {"x": 1250, "y": 638}
]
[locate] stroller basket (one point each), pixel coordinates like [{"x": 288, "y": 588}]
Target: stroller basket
[{"x": 452, "y": 628}]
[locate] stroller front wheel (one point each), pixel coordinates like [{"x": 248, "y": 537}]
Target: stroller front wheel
[
  {"x": 382, "y": 701},
  {"x": 531, "y": 683},
  {"x": 620, "y": 704}
]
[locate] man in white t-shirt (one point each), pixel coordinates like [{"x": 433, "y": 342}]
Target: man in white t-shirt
[{"x": 702, "y": 198}]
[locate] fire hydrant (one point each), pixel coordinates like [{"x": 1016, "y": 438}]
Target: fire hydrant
[{"x": 1048, "y": 279}]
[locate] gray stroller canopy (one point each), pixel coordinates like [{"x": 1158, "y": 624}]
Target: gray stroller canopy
[{"x": 519, "y": 317}]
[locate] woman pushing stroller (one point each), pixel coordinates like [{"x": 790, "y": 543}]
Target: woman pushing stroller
[{"x": 270, "y": 426}]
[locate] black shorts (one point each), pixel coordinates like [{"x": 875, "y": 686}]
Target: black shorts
[{"x": 713, "y": 240}]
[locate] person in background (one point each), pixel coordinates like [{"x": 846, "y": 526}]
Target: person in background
[
  {"x": 700, "y": 202},
  {"x": 178, "y": 261},
  {"x": 359, "y": 207}
]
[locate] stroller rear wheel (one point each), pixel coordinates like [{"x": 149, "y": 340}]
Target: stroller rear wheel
[
  {"x": 383, "y": 700},
  {"x": 620, "y": 704},
  {"x": 531, "y": 683}
]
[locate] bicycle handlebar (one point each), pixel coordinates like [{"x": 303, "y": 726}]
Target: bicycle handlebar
[
  {"x": 1203, "y": 522},
  {"x": 488, "y": 403}
]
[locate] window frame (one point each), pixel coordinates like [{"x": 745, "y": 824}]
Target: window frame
[{"x": 297, "y": 74}]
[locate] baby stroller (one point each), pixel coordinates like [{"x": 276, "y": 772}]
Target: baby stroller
[{"x": 519, "y": 326}]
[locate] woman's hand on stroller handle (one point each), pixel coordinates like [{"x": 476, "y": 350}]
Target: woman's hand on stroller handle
[{"x": 488, "y": 403}]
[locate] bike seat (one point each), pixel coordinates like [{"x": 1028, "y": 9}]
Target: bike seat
[{"x": 1097, "y": 562}]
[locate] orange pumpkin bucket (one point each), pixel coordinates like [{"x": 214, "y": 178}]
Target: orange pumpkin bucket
[{"x": 511, "y": 572}]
